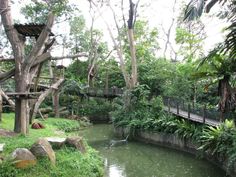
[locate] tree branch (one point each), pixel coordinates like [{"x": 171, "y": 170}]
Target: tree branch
[
  {"x": 44, "y": 95},
  {"x": 11, "y": 103},
  {"x": 37, "y": 49},
  {"x": 70, "y": 56}
]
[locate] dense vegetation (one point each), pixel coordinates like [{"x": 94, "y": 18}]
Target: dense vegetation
[
  {"x": 135, "y": 63},
  {"x": 148, "y": 115}
]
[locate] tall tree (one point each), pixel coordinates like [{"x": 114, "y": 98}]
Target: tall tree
[{"x": 25, "y": 66}]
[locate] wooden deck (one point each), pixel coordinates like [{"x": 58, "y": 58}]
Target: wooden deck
[{"x": 191, "y": 116}]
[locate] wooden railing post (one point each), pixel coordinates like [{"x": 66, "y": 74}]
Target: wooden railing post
[
  {"x": 168, "y": 102},
  {"x": 1, "y": 107},
  {"x": 189, "y": 110},
  {"x": 177, "y": 108},
  {"x": 204, "y": 114}
]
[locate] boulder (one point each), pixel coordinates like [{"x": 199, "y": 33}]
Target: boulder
[
  {"x": 2, "y": 147},
  {"x": 23, "y": 158},
  {"x": 76, "y": 142},
  {"x": 42, "y": 148},
  {"x": 56, "y": 142}
]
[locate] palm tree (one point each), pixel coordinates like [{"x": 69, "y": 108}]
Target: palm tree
[
  {"x": 194, "y": 10},
  {"x": 227, "y": 67}
]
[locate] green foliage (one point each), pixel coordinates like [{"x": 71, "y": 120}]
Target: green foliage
[
  {"x": 94, "y": 107},
  {"x": 7, "y": 169},
  {"x": 218, "y": 139},
  {"x": 140, "y": 108},
  {"x": 37, "y": 12},
  {"x": 67, "y": 125}
]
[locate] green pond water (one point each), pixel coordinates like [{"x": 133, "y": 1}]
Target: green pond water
[{"x": 136, "y": 159}]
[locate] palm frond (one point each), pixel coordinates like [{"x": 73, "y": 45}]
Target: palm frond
[
  {"x": 194, "y": 10},
  {"x": 229, "y": 45}
]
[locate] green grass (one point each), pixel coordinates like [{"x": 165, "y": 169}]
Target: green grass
[{"x": 69, "y": 162}]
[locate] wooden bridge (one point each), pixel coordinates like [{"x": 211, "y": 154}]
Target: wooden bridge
[{"x": 194, "y": 113}]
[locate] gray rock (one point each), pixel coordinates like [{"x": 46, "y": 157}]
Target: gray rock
[
  {"x": 56, "y": 142},
  {"x": 2, "y": 147},
  {"x": 42, "y": 148},
  {"x": 23, "y": 158},
  {"x": 76, "y": 142}
]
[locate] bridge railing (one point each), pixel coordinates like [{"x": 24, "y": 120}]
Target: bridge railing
[{"x": 199, "y": 110}]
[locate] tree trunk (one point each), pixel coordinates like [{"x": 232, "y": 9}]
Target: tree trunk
[
  {"x": 224, "y": 91},
  {"x": 21, "y": 104},
  {"x": 134, "y": 70},
  {"x": 56, "y": 103}
]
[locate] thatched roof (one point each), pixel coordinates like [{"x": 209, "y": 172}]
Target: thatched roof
[{"x": 31, "y": 30}]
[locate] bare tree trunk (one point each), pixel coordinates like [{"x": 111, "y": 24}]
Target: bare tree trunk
[
  {"x": 56, "y": 103},
  {"x": 134, "y": 70}
]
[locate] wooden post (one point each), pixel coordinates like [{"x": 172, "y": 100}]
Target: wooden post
[
  {"x": 0, "y": 107},
  {"x": 204, "y": 114},
  {"x": 189, "y": 107},
  {"x": 177, "y": 108},
  {"x": 169, "y": 105}
]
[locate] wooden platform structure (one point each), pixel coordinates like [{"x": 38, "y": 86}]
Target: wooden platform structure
[{"x": 28, "y": 95}]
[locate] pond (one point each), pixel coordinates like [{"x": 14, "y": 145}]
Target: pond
[{"x": 136, "y": 159}]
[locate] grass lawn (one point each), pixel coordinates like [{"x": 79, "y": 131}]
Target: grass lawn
[{"x": 69, "y": 162}]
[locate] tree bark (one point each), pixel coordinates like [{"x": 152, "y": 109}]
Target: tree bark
[
  {"x": 56, "y": 102},
  {"x": 226, "y": 102},
  {"x": 134, "y": 70}
]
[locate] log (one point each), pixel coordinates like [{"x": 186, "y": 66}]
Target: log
[{"x": 0, "y": 107}]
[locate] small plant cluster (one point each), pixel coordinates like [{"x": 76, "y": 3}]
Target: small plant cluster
[
  {"x": 67, "y": 126},
  {"x": 220, "y": 141}
]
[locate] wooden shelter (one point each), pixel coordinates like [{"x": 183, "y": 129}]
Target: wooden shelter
[{"x": 31, "y": 29}]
